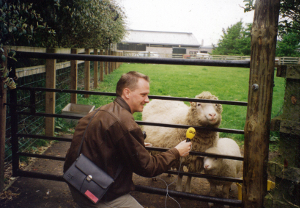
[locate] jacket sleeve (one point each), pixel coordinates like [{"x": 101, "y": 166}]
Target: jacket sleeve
[{"x": 131, "y": 148}]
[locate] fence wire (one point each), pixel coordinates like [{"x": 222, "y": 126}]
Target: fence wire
[{"x": 35, "y": 125}]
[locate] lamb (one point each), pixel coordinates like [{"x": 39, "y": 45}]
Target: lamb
[
  {"x": 176, "y": 112},
  {"x": 222, "y": 167}
]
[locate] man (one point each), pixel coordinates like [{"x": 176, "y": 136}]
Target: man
[{"x": 113, "y": 140}]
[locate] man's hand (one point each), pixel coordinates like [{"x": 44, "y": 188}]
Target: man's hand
[{"x": 184, "y": 148}]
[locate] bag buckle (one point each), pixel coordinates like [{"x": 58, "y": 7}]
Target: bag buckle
[{"x": 89, "y": 178}]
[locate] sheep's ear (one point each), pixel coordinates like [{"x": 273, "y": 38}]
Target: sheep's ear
[
  {"x": 193, "y": 104},
  {"x": 220, "y": 108}
]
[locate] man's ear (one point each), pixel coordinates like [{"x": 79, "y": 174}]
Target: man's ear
[{"x": 126, "y": 93}]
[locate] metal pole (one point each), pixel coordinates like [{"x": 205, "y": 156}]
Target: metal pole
[
  {"x": 14, "y": 130},
  {"x": 199, "y": 62},
  {"x": 3, "y": 94}
]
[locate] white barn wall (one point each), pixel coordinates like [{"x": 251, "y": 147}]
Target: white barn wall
[{"x": 159, "y": 50}]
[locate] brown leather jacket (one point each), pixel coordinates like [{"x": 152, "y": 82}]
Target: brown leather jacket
[{"x": 111, "y": 140}]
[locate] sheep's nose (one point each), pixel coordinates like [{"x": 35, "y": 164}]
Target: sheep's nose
[
  {"x": 205, "y": 166},
  {"x": 212, "y": 115}
]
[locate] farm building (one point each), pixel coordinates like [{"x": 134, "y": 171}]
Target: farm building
[{"x": 160, "y": 42}]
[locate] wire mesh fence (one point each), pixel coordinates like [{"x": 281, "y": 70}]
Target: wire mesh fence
[{"x": 29, "y": 124}]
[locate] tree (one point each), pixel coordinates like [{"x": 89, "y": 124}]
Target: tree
[
  {"x": 20, "y": 23},
  {"x": 244, "y": 43},
  {"x": 69, "y": 23},
  {"x": 235, "y": 40},
  {"x": 288, "y": 45},
  {"x": 289, "y": 13},
  {"x": 83, "y": 23}
]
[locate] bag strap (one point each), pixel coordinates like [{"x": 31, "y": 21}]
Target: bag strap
[
  {"x": 120, "y": 167},
  {"x": 78, "y": 153}
]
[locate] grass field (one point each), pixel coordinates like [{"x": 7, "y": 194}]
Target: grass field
[{"x": 227, "y": 83}]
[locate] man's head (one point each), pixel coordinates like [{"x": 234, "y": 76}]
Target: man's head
[{"x": 133, "y": 87}]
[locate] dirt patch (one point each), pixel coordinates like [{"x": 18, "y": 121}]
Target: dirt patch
[{"x": 36, "y": 193}]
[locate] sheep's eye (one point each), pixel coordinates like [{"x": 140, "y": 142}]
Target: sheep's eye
[
  {"x": 215, "y": 158},
  {"x": 199, "y": 104},
  {"x": 216, "y": 105}
]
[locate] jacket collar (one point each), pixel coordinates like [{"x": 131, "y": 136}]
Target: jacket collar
[{"x": 122, "y": 103}]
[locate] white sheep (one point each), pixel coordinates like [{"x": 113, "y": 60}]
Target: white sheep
[
  {"x": 176, "y": 112},
  {"x": 222, "y": 167}
]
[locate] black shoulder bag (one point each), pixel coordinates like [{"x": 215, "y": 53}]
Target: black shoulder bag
[{"x": 87, "y": 177}]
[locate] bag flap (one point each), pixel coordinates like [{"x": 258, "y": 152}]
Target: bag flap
[{"x": 89, "y": 168}]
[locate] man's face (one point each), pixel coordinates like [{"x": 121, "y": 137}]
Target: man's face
[{"x": 137, "y": 98}]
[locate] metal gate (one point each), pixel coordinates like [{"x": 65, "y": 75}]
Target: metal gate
[{"x": 14, "y": 105}]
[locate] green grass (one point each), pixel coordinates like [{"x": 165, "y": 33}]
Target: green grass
[{"x": 227, "y": 83}]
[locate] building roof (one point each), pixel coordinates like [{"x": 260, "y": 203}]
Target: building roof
[{"x": 160, "y": 38}]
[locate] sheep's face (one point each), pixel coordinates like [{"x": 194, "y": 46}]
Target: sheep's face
[
  {"x": 208, "y": 114},
  {"x": 212, "y": 163}
]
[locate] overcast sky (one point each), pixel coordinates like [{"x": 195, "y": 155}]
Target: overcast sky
[{"x": 204, "y": 18}]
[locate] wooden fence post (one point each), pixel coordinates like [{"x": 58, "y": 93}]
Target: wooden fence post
[
  {"x": 101, "y": 67},
  {"x": 50, "y": 96},
  {"x": 95, "y": 70},
  {"x": 121, "y": 54},
  {"x": 87, "y": 73},
  {"x": 106, "y": 63},
  {"x": 3, "y": 95},
  {"x": 115, "y": 63},
  {"x": 74, "y": 76},
  {"x": 111, "y": 63},
  {"x": 257, "y": 126},
  {"x": 119, "y": 63}
]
